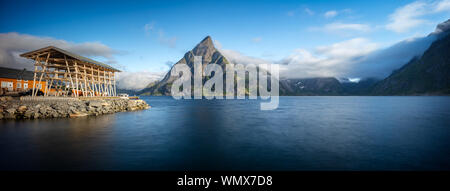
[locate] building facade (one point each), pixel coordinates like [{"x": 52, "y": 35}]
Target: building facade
[{"x": 14, "y": 80}]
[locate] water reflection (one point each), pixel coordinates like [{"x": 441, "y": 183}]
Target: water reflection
[
  {"x": 56, "y": 143},
  {"x": 304, "y": 133}
]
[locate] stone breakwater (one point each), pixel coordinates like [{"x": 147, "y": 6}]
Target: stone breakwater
[{"x": 17, "y": 109}]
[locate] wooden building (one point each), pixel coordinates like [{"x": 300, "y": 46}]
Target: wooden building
[
  {"x": 14, "y": 80},
  {"x": 69, "y": 74}
]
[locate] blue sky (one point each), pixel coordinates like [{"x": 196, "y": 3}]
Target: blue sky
[{"x": 145, "y": 35}]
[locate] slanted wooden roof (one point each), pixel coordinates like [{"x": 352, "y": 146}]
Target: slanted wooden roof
[{"x": 35, "y": 53}]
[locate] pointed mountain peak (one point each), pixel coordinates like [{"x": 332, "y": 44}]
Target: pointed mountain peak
[
  {"x": 205, "y": 47},
  {"x": 207, "y": 41}
]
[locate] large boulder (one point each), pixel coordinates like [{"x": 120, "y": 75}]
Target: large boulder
[
  {"x": 77, "y": 114},
  {"x": 11, "y": 111},
  {"x": 95, "y": 103},
  {"x": 22, "y": 108}
]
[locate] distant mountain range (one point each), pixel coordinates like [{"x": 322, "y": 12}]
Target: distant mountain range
[
  {"x": 311, "y": 86},
  {"x": 426, "y": 74}
]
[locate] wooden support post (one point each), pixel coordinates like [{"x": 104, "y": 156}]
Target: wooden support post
[
  {"x": 57, "y": 86},
  {"x": 115, "y": 90},
  {"x": 104, "y": 80},
  {"x": 76, "y": 79},
  {"x": 94, "y": 87},
  {"x": 43, "y": 71},
  {"x": 69, "y": 73},
  {"x": 34, "y": 78},
  {"x": 85, "y": 81},
  {"x": 100, "y": 89},
  {"x": 48, "y": 87},
  {"x": 109, "y": 84}
]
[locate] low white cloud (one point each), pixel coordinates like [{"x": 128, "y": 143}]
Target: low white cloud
[
  {"x": 326, "y": 61},
  {"x": 137, "y": 80},
  {"x": 236, "y": 57},
  {"x": 349, "y": 48},
  {"x": 354, "y": 80},
  {"x": 382, "y": 62},
  {"x": 353, "y": 58},
  {"x": 217, "y": 44},
  {"x": 442, "y": 6},
  {"x": 407, "y": 17},
  {"x": 330, "y": 14},
  {"x": 358, "y": 57},
  {"x": 13, "y": 44},
  {"x": 411, "y": 15}
]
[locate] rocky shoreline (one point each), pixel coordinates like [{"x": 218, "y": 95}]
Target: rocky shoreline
[{"x": 11, "y": 108}]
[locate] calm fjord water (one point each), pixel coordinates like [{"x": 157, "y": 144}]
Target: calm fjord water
[{"x": 304, "y": 133}]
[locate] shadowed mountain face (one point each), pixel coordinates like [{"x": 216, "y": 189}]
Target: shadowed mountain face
[
  {"x": 209, "y": 55},
  {"x": 428, "y": 74},
  {"x": 425, "y": 74}
]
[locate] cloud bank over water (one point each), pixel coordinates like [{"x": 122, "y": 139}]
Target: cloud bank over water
[
  {"x": 13, "y": 44},
  {"x": 354, "y": 58},
  {"x": 137, "y": 80}
]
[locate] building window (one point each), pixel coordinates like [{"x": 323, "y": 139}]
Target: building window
[
  {"x": 4, "y": 84},
  {"x": 25, "y": 86},
  {"x": 10, "y": 86},
  {"x": 19, "y": 85}
]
